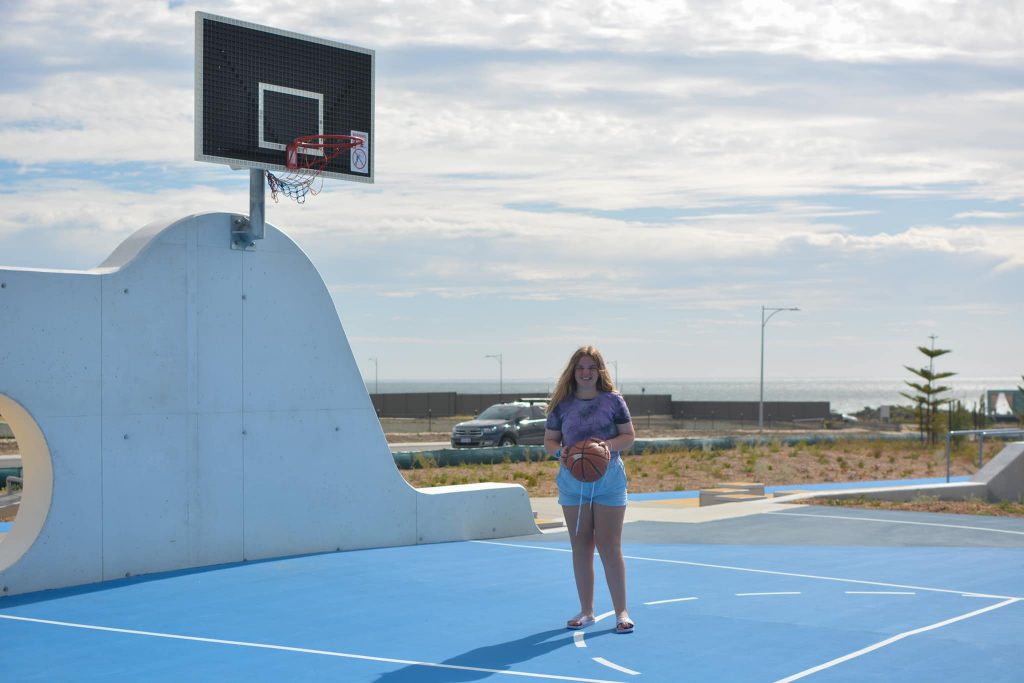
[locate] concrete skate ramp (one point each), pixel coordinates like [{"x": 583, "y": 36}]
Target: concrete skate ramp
[{"x": 190, "y": 404}]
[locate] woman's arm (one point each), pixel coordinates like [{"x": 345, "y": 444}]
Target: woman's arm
[
  {"x": 625, "y": 439},
  {"x": 552, "y": 441}
]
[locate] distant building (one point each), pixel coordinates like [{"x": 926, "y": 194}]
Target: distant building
[{"x": 1004, "y": 404}]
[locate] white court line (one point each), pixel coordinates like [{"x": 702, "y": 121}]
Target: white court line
[
  {"x": 881, "y": 593},
  {"x": 285, "y": 648},
  {"x": 899, "y": 521},
  {"x": 743, "y": 595},
  {"x": 612, "y": 665},
  {"x": 1006, "y": 600},
  {"x": 579, "y": 642},
  {"x": 765, "y": 571},
  {"x": 662, "y": 602},
  {"x": 895, "y": 638},
  {"x": 578, "y": 637}
]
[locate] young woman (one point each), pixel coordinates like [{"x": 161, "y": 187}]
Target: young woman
[{"x": 585, "y": 404}]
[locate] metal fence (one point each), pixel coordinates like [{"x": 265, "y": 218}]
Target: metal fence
[{"x": 981, "y": 434}]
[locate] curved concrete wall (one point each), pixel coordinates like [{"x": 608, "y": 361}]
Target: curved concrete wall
[{"x": 198, "y": 405}]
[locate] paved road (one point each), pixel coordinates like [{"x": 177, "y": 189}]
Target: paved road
[{"x": 418, "y": 446}]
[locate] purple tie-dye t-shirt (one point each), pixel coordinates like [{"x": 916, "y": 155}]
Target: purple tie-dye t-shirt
[{"x": 578, "y": 419}]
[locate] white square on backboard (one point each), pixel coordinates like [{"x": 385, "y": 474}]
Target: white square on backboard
[{"x": 265, "y": 144}]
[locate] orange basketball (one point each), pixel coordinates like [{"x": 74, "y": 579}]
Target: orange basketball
[{"x": 586, "y": 460}]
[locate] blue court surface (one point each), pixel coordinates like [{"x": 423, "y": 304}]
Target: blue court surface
[{"x": 805, "y": 593}]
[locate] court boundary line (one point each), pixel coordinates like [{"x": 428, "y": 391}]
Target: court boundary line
[
  {"x": 579, "y": 640},
  {"x": 302, "y": 650},
  {"x": 613, "y": 665},
  {"x": 772, "y": 572},
  {"x": 665, "y": 602},
  {"x": 1005, "y": 601},
  {"x": 898, "y": 521},
  {"x": 893, "y": 639}
]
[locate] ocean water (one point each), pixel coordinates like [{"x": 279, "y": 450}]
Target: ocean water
[{"x": 844, "y": 395}]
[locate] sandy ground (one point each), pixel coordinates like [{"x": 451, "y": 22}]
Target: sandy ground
[{"x": 772, "y": 463}]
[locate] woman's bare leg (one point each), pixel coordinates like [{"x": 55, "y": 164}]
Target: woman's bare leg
[
  {"x": 608, "y": 522},
  {"x": 582, "y": 553}
]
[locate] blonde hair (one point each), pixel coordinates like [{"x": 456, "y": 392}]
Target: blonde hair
[{"x": 567, "y": 382}]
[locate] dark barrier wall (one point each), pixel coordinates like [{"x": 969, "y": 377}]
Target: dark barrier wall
[
  {"x": 643, "y": 404},
  {"x": 747, "y": 410},
  {"x": 439, "y": 404},
  {"x": 449, "y": 403},
  {"x": 474, "y": 404},
  {"x": 446, "y": 404}
]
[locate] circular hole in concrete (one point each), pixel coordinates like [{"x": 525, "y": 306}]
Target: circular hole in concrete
[
  {"x": 25, "y": 504},
  {"x": 11, "y": 478}
]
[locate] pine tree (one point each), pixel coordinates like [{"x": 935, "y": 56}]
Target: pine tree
[{"x": 927, "y": 400}]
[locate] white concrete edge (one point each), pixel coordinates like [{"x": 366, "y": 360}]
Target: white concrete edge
[{"x": 878, "y": 491}]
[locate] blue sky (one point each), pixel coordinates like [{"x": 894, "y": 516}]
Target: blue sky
[{"x": 643, "y": 176}]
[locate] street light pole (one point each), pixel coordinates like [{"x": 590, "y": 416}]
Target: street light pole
[
  {"x": 376, "y": 387},
  {"x": 764, "y": 321},
  {"x": 501, "y": 374}
]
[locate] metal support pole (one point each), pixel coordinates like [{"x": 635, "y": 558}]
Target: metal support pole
[
  {"x": 245, "y": 232},
  {"x": 376, "y": 383},
  {"x": 257, "y": 202},
  {"x": 949, "y": 437},
  {"x": 764, "y": 321},
  {"x": 760, "y": 400}
]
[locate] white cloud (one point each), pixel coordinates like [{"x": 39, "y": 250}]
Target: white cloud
[
  {"x": 98, "y": 118},
  {"x": 1003, "y": 246},
  {"x": 989, "y": 215},
  {"x": 636, "y": 166},
  {"x": 848, "y": 29}
]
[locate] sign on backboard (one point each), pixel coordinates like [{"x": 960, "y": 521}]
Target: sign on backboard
[{"x": 258, "y": 88}]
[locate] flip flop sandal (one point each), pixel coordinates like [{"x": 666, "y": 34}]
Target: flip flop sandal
[
  {"x": 623, "y": 625},
  {"x": 580, "y": 621}
]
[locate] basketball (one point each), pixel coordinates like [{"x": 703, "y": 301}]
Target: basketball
[{"x": 586, "y": 460}]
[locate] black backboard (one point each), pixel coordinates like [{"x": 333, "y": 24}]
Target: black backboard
[{"x": 258, "y": 88}]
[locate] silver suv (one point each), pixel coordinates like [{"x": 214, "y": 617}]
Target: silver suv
[{"x": 503, "y": 424}]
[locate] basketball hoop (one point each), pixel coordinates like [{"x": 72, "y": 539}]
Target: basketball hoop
[{"x": 306, "y": 158}]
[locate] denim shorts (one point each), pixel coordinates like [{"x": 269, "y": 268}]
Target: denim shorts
[{"x": 608, "y": 490}]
